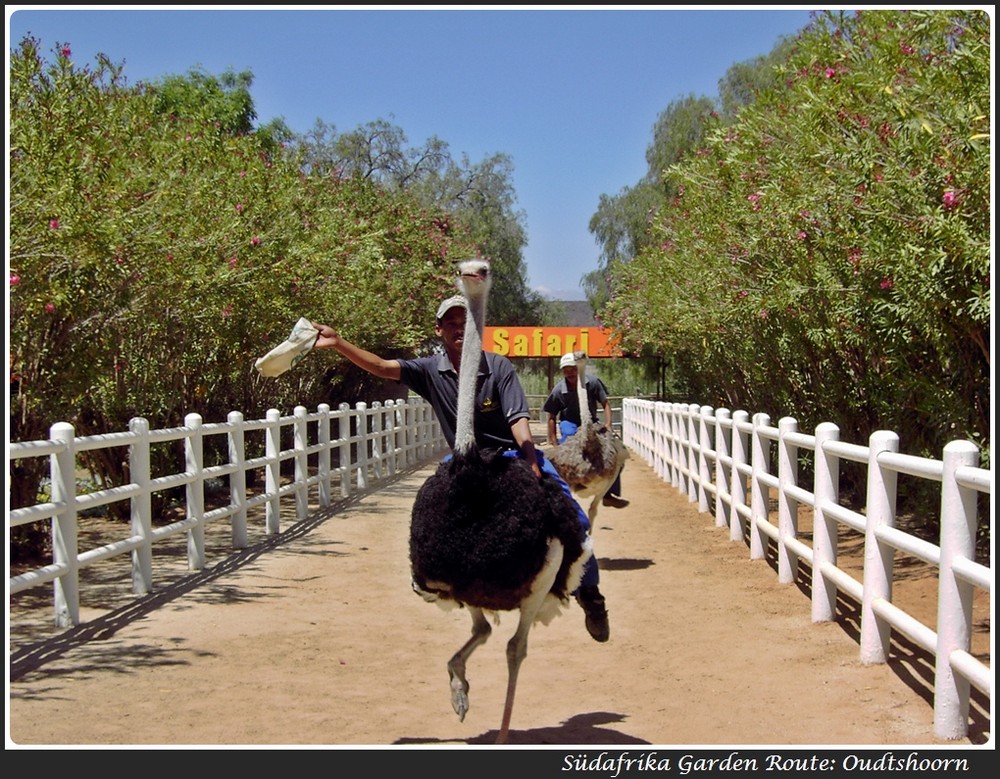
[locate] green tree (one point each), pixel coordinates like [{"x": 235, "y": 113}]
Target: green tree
[
  {"x": 223, "y": 100},
  {"x": 621, "y": 224},
  {"x": 479, "y": 198},
  {"x": 158, "y": 249},
  {"x": 836, "y": 234},
  {"x": 743, "y": 81}
]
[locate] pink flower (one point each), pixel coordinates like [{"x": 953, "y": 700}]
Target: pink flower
[
  {"x": 255, "y": 241},
  {"x": 65, "y": 51},
  {"x": 763, "y": 314},
  {"x": 906, "y": 48},
  {"x": 239, "y": 208},
  {"x": 830, "y": 72},
  {"x": 801, "y": 235},
  {"x": 233, "y": 262},
  {"x": 227, "y": 310},
  {"x": 49, "y": 307},
  {"x": 948, "y": 199},
  {"x": 886, "y": 283},
  {"x": 14, "y": 279},
  {"x": 54, "y": 224}
]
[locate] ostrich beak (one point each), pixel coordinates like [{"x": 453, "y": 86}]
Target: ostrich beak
[{"x": 480, "y": 274}]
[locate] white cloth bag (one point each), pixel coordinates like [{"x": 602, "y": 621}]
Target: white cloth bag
[{"x": 290, "y": 351}]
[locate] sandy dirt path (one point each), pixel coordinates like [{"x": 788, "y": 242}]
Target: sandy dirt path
[{"x": 314, "y": 637}]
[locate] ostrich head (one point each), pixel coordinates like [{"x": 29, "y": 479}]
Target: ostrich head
[{"x": 474, "y": 281}]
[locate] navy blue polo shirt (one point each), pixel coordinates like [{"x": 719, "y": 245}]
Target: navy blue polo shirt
[
  {"x": 564, "y": 405},
  {"x": 500, "y": 398}
]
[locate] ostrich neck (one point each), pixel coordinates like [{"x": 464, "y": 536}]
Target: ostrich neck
[
  {"x": 472, "y": 348},
  {"x": 581, "y": 394}
]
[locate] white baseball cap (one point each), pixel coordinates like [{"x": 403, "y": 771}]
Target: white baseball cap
[
  {"x": 452, "y": 302},
  {"x": 568, "y": 360}
]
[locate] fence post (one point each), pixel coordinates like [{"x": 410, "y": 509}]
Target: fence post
[
  {"x": 691, "y": 411},
  {"x": 881, "y": 511},
  {"x": 377, "y": 439},
  {"x": 65, "y": 551},
  {"x": 323, "y": 456},
  {"x": 954, "y": 615},
  {"x": 409, "y": 423},
  {"x": 402, "y": 417},
  {"x": 426, "y": 431},
  {"x": 676, "y": 433},
  {"x": 362, "y": 448},
  {"x": 344, "y": 437},
  {"x": 721, "y": 468},
  {"x": 272, "y": 480},
  {"x": 238, "y": 481},
  {"x": 300, "y": 438},
  {"x": 392, "y": 437},
  {"x": 761, "y": 464},
  {"x": 652, "y": 427},
  {"x": 788, "y": 472},
  {"x": 705, "y": 446},
  {"x": 826, "y": 487},
  {"x": 194, "y": 465},
  {"x": 738, "y": 490},
  {"x": 141, "y": 506}
]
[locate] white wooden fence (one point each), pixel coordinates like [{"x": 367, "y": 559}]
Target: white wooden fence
[
  {"x": 370, "y": 443},
  {"x": 707, "y": 453},
  {"x": 712, "y": 453}
]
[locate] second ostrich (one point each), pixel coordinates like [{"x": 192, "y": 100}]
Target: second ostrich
[
  {"x": 486, "y": 533},
  {"x": 590, "y": 459}
]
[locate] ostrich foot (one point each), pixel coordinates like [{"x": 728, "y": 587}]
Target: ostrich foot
[{"x": 459, "y": 695}]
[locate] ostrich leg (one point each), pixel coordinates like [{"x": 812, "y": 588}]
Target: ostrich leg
[
  {"x": 517, "y": 647},
  {"x": 456, "y": 666}
]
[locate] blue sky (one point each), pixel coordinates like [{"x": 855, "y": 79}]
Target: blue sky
[{"x": 570, "y": 93}]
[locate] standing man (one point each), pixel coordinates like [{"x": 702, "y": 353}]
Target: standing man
[
  {"x": 501, "y": 415},
  {"x": 563, "y": 405}
]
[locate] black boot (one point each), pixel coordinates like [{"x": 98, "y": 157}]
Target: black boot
[{"x": 592, "y": 603}]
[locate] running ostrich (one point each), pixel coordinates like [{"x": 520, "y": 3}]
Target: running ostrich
[
  {"x": 590, "y": 459},
  {"x": 486, "y": 533}
]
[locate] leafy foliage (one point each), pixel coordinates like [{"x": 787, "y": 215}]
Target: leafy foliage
[
  {"x": 835, "y": 233},
  {"x": 158, "y": 247},
  {"x": 479, "y": 199}
]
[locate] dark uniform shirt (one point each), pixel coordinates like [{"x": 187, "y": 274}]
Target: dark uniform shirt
[
  {"x": 564, "y": 404},
  {"x": 500, "y": 398}
]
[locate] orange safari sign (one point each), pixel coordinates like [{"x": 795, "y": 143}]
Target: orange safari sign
[{"x": 548, "y": 341}]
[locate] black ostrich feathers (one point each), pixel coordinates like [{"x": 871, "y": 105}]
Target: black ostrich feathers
[{"x": 480, "y": 531}]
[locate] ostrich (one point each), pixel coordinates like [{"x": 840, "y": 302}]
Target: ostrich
[
  {"x": 486, "y": 533},
  {"x": 590, "y": 459}
]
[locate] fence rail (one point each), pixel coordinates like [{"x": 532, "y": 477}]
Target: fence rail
[
  {"x": 713, "y": 454},
  {"x": 348, "y": 447}
]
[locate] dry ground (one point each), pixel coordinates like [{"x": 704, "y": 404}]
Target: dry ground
[{"x": 314, "y": 638}]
